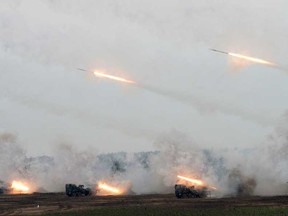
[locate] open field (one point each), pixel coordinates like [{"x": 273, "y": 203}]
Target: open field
[{"x": 60, "y": 204}]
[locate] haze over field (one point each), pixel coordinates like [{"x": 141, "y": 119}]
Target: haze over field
[{"x": 191, "y": 97}]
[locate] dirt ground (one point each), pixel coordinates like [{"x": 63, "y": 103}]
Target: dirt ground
[{"x": 39, "y": 203}]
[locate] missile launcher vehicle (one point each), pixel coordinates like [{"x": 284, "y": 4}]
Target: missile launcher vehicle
[
  {"x": 192, "y": 192},
  {"x": 4, "y": 188},
  {"x": 74, "y": 190}
]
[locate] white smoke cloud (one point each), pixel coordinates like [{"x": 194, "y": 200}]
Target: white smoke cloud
[{"x": 257, "y": 171}]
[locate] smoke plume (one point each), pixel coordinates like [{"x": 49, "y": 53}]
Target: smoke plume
[{"x": 236, "y": 172}]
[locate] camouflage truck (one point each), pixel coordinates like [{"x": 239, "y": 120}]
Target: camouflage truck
[
  {"x": 3, "y": 187},
  {"x": 73, "y": 190},
  {"x": 184, "y": 191},
  {"x": 2, "y": 190}
]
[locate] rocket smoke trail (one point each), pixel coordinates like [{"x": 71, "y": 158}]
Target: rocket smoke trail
[
  {"x": 200, "y": 104},
  {"x": 203, "y": 105}
]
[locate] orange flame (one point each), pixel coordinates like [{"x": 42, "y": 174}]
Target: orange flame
[
  {"x": 109, "y": 188},
  {"x": 194, "y": 181},
  {"x": 248, "y": 58},
  {"x": 18, "y": 186},
  {"x": 103, "y": 75}
]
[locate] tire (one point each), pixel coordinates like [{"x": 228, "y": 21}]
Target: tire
[{"x": 179, "y": 195}]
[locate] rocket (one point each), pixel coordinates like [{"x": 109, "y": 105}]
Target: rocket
[
  {"x": 83, "y": 70},
  {"x": 219, "y": 51}
]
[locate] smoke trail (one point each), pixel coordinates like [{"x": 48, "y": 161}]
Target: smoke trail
[
  {"x": 200, "y": 104},
  {"x": 87, "y": 116},
  {"x": 203, "y": 105}
]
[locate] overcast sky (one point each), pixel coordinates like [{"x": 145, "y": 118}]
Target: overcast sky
[{"x": 163, "y": 45}]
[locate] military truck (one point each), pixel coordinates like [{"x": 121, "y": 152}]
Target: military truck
[
  {"x": 3, "y": 188},
  {"x": 73, "y": 190},
  {"x": 192, "y": 192}
]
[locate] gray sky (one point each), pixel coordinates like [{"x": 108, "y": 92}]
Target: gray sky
[{"x": 214, "y": 99}]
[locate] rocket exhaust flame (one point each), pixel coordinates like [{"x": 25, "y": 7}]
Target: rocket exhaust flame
[
  {"x": 194, "y": 181},
  {"x": 107, "y": 76},
  {"x": 99, "y": 74},
  {"x": 108, "y": 188},
  {"x": 248, "y": 58},
  {"x": 19, "y": 187}
]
